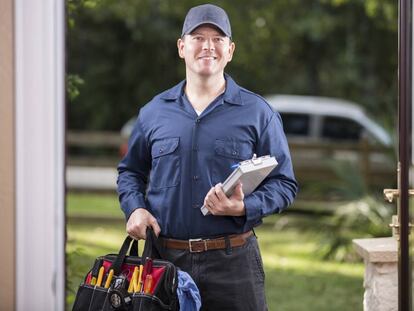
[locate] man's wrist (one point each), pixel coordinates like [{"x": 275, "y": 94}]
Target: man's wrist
[{"x": 241, "y": 209}]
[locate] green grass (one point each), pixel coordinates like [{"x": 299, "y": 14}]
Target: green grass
[
  {"x": 96, "y": 204},
  {"x": 296, "y": 278},
  {"x": 107, "y": 205}
]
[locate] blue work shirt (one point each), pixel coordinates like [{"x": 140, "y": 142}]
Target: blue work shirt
[{"x": 175, "y": 156}]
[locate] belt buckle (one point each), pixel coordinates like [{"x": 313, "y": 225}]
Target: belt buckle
[{"x": 197, "y": 240}]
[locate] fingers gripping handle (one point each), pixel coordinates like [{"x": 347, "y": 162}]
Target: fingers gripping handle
[{"x": 150, "y": 243}]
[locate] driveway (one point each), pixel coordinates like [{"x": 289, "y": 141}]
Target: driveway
[{"x": 91, "y": 178}]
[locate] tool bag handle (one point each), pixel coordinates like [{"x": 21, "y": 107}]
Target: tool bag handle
[{"x": 150, "y": 244}]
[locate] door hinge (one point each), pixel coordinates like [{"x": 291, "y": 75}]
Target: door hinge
[{"x": 390, "y": 195}]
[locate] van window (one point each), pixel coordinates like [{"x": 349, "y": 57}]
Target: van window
[
  {"x": 341, "y": 129},
  {"x": 295, "y": 123}
]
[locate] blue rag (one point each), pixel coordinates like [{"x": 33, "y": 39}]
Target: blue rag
[{"x": 188, "y": 294}]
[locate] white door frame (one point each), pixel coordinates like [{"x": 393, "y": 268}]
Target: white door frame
[{"x": 40, "y": 154}]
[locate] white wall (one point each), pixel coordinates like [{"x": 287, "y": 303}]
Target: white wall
[{"x": 39, "y": 93}]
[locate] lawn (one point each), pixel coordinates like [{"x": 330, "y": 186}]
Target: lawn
[{"x": 296, "y": 277}]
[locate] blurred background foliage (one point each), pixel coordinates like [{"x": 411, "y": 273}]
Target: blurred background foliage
[{"x": 122, "y": 53}]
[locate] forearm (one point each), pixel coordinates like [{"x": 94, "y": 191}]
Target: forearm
[
  {"x": 273, "y": 196},
  {"x": 279, "y": 189},
  {"x": 131, "y": 190},
  {"x": 133, "y": 172}
]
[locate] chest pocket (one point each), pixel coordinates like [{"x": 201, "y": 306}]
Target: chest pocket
[
  {"x": 166, "y": 168},
  {"x": 227, "y": 154}
]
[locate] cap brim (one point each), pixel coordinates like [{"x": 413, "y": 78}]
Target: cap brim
[{"x": 205, "y": 23}]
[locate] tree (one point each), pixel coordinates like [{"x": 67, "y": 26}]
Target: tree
[{"x": 125, "y": 51}]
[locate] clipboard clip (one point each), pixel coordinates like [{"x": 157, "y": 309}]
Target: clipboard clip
[
  {"x": 254, "y": 160},
  {"x": 257, "y": 161}
]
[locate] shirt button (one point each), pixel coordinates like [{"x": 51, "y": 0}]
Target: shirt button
[
  {"x": 198, "y": 120},
  {"x": 195, "y": 177},
  {"x": 235, "y": 152},
  {"x": 161, "y": 150}
]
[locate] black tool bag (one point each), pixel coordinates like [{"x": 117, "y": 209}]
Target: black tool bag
[{"x": 158, "y": 291}]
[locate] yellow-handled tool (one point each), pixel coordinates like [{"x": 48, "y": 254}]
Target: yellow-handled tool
[
  {"x": 132, "y": 280},
  {"x": 100, "y": 276},
  {"x": 109, "y": 278}
]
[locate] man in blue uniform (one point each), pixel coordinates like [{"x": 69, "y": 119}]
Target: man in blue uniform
[{"x": 184, "y": 143}]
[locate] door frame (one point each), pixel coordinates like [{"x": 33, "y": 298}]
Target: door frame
[{"x": 404, "y": 148}]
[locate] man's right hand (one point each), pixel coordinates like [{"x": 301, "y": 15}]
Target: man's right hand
[{"x": 138, "y": 222}]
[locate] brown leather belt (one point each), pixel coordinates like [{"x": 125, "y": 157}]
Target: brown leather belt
[{"x": 203, "y": 245}]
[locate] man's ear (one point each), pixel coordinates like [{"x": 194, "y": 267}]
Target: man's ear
[
  {"x": 180, "y": 47},
  {"x": 232, "y": 47}
]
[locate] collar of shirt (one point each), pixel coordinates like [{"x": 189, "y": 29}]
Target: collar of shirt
[
  {"x": 231, "y": 94},
  {"x": 187, "y": 106}
]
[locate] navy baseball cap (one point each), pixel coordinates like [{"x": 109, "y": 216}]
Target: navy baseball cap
[{"x": 206, "y": 14}]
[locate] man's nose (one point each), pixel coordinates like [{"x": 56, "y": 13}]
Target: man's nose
[{"x": 208, "y": 44}]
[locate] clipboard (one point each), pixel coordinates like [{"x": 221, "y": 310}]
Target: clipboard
[{"x": 250, "y": 173}]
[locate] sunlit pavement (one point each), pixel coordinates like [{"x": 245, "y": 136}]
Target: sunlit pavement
[{"x": 91, "y": 178}]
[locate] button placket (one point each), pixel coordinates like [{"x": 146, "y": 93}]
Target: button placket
[{"x": 195, "y": 176}]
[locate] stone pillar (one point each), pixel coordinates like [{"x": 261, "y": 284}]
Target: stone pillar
[{"x": 381, "y": 273}]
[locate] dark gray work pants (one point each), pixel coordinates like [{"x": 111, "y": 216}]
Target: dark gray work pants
[{"x": 230, "y": 279}]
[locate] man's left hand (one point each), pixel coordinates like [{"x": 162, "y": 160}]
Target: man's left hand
[{"x": 220, "y": 205}]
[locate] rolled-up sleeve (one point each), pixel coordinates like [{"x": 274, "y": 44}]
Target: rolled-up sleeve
[
  {"x": 133, "y": 172},
  {"x": 279, "y": 189}
]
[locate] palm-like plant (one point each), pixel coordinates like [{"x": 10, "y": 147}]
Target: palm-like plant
[{"x": 363, "y": 215}]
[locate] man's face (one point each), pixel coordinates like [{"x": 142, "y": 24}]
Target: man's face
[{"x": 206, "y": 51}]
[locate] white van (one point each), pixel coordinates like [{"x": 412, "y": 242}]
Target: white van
[
  {"x": 323, "y": 119},
  {"x": 322, "y": 131}
]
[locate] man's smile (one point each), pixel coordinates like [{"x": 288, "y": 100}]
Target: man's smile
[{"x": 208, "y": 57}]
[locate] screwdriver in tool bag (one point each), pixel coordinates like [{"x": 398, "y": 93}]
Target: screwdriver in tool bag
[
  {"x": 147, "y": 272},
  {"x": 139, "y": 282},
  {"x": 147, "y": 284},
  {"x": 147, "y": 267},
  {"x": 100, "y": 276},
  {"x": 132, "y": 280},
  {"x": 109, "y": 278},
  {"x": 95, "y": 271}
]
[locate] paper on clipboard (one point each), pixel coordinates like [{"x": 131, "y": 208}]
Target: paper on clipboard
[{"x": 250, "y": 173}]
